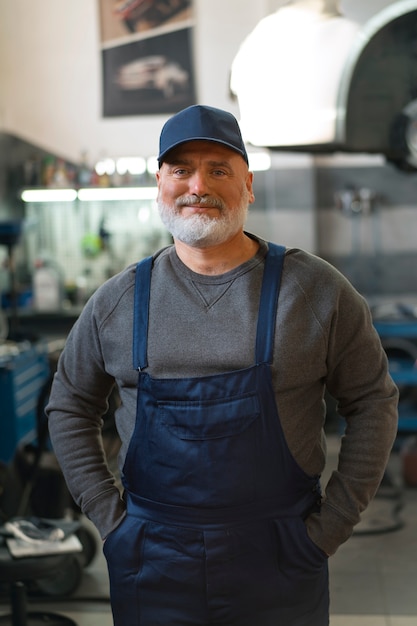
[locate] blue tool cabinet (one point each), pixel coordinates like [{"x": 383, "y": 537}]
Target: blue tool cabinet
[
  {"x": 404, "y": 373},
  {"x": 22, "y": 376}
]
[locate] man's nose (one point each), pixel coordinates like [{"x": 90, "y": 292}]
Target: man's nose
[{"x": 199, "y": 184}]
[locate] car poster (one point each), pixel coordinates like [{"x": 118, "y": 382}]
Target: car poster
[{"x": 147, "y": 56}]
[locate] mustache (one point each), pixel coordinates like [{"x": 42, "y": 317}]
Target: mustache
[{"x": 203, "y": 201}]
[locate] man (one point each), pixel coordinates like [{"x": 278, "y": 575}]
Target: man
[{"x": 221, "y": 347}]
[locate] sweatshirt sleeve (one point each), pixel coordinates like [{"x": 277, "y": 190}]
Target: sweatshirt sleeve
[
  {"x": 367, "y": 399},
  {"x": 77, "y": 403}
]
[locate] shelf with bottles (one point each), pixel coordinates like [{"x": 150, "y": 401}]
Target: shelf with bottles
[{"x": 54, "y": 179}]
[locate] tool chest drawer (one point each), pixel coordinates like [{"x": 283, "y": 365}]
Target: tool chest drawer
[{"x": 22, "y": 376}]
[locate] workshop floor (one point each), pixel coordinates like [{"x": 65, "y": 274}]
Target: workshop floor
[{"x": 373, "y": 575}]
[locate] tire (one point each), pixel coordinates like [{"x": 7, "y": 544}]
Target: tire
[
  {"x": 89, "y": 544},
  {"x": 64, "y": 581}
]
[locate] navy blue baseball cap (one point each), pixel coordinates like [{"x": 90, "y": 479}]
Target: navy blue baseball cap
[{"x": 200, "y": 122}]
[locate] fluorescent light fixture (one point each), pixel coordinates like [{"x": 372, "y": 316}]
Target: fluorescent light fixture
[
  {"x": 117, "y": 193},
  {"x": 89, "y": 194},
  {"x": 48, "y": 195},
  {"x": 152, "y": 165},
  {"x": 259, "y": 161}
]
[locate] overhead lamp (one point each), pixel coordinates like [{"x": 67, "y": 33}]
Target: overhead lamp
[{"x": 294, "y": 59}]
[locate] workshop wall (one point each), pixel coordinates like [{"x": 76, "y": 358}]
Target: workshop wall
[{"x": 50, "y": 73}]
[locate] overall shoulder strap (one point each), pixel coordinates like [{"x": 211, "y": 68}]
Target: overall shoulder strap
[
  {"x": 274, "y": 262},
  {"x": 141, "y": 313}
]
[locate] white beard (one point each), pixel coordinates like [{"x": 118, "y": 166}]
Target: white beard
[{"x": 201, "y": 230}]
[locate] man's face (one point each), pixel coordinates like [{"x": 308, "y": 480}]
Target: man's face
[{"x": 204, "y": 190}]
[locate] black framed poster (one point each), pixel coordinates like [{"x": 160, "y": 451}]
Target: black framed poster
[{"x": 147, "y": 59}]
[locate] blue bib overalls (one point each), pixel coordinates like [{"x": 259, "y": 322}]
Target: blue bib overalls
[{"x": 215, "y": 532}]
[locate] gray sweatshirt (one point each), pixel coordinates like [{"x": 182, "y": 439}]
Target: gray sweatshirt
[{"x": 201, "y": 325}]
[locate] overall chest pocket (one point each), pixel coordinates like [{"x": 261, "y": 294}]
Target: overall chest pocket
[
  {"x": 212, "y": 419},
  {"x": 206, "y": 451}
]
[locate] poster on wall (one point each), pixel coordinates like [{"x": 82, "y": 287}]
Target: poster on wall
[{"x": 146, "y": 54}]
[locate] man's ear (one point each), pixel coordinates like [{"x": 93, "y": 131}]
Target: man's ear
[{"x": 249, "y": 187}]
